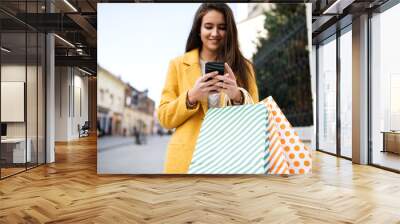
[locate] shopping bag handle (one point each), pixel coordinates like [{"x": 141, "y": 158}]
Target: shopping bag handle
[{"x": 246, "y": 95}]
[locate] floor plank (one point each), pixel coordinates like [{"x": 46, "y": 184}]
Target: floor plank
[{"x": 70, "y": 191}]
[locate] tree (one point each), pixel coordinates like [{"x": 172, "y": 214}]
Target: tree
[{"x": 282, "y": 62}]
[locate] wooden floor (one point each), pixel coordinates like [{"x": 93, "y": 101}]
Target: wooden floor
[
  {"x": 9, "y": 171},
  {"x": 70, "y": 191},
  {"x": 388, "y": 159},
  {"x": 5, "y": 172}
]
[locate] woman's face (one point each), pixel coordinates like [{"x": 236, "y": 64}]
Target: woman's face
[{"x": 213, "y": 30}]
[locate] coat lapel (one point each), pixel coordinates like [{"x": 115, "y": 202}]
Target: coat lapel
[{"x": 193, "y": 71}]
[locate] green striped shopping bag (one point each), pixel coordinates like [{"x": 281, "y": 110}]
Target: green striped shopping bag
[{"x": 232, "y": 140}]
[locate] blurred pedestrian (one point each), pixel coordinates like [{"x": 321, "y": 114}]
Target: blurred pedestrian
[{"x": 136, "y": 134}]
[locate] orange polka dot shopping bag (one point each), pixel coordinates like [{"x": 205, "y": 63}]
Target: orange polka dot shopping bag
[{"x": 288, "y": 154}]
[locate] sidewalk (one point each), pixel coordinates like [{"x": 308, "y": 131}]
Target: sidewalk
[
  {"x": 114, "y": 141},
  {"x": 120, "y": 155}
]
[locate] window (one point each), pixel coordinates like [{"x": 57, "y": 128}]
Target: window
[
  {"x": 22, "y": 65},
  {"x": 327, "y": 95},
  {"x": 385, "y": 88},
  {"x": 346, "y": 92}
]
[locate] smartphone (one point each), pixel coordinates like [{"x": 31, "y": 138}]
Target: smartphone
[{"x": 215, "y": 66}]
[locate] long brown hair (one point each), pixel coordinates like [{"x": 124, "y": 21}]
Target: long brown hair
[{"x": 230, "y": 51}]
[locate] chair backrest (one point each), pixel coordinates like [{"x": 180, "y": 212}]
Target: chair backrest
[{"x": 86, "y": 125}]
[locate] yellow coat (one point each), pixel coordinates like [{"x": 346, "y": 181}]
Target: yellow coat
[{"x": 172, "y": 112}]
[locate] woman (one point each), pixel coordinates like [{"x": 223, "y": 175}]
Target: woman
[{"x": 188, "y": 92}]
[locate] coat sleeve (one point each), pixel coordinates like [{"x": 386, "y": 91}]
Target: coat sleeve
[
  {"x": 253, "y": 90},
  {"x": 172, "y": 111}
]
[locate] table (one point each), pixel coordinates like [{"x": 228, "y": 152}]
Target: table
[
  {"x": 17, "y": 150},
  {"x": 391, "y": 141}
]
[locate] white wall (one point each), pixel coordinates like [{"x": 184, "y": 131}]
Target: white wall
[
  {"x": 71, "y": 94},
  {"x": 14, "y": 73},
  {"x": 79, "y": 115},
  {"x": 17, "y": 73},
  {"x": 33, "y": 126},
  {"x": 12, "y": 101},
  {"x": 61, "y": 103}
]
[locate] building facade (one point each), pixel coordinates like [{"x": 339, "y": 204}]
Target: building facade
[
  {"x": 110, "y": 103},
  {"x": 138, "y": 112},
  {"x": 122, "y": 109}
]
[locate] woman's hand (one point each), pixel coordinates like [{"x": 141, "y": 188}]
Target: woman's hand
[
  {"x": 203, "y": 86},
  {"x": 228, "y": 84}
]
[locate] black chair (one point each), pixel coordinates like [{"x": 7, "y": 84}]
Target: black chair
[{"x": 84, "y": 130}]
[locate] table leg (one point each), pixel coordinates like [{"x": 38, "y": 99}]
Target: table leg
[{"x": 384, "y": 142}]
